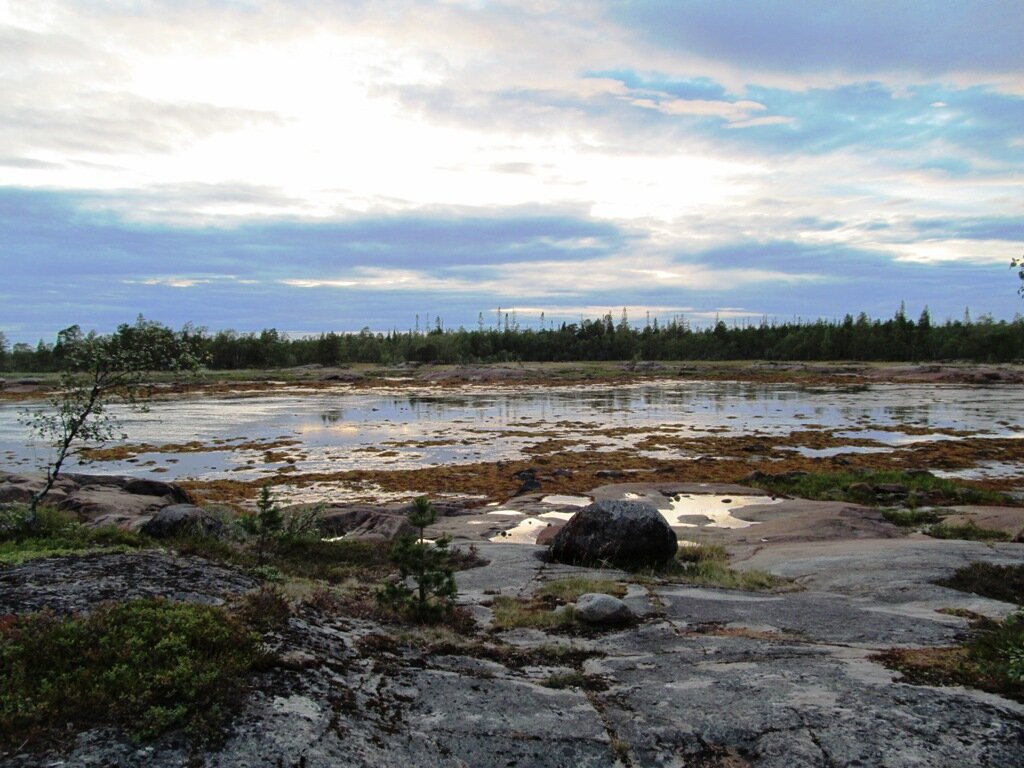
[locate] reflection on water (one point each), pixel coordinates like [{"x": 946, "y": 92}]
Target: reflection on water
[{"x": 396, "y": 429}]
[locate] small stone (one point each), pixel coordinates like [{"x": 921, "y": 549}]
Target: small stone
[
  {"x": 601, "y": 609},
  {"x": 297, "y": 660}
]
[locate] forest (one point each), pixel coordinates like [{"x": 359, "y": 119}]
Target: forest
[{"x": 860, "y": 339}]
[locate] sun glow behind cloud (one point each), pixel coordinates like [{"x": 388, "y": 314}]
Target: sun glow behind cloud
[{"x": 687, "y": 130}]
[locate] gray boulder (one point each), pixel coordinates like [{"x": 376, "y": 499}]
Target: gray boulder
[
  {"x": 367, "y": 522},
  {"x": 180, "y": 519},
  {"x": 627, "y": 534},
  {"x": 603, "y": 610}
]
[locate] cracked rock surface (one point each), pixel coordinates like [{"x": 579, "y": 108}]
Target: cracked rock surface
[{"x": 706, "y": 677}]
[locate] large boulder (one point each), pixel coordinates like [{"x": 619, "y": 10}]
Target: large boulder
[
  {"x": 366, "y": 522},
  {"x": 179, "y": 519},
  {"x": 627, "y": 534}
]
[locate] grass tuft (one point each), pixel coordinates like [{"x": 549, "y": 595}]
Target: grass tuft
[
  {"x": 708, "y": 565},
  {"x": 511, "y": 612},
  {"x": 569, "y": 589}
]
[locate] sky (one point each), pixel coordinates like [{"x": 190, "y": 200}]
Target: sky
[{"x": 330, "y": 166}]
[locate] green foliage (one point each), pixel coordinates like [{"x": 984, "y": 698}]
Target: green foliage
[
  {"x": 912, "y": 518},
  {"x": 146, "y": 665},
  {"x": 96, "y": 371},
  {"x": 998, "y": 582},
  {"x": 862, "y": 338},
  {"x": 266, "y": 523},
  {"x": 49, "y": 532},
  {"x": 844, "y": 486},
  {"x": 998, "y": 654},
  {"x": 992, "y": 660},
  {"x": 708, "y": 564},
  {"x": 569, "y": 589},
  {"x": 536, "y": 613},
  {"x": 428, "y": 564},
  {"x": 968, "y": 532}
]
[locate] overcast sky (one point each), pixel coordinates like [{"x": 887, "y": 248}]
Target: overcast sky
[{"x": 316, "y": 166}]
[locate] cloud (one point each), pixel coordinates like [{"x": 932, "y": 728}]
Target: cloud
[
  {"x": 217, "y": 160},
  {"x": 927, "y": 37}
]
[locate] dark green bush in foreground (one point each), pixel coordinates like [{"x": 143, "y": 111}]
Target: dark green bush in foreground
[{"x": 146, "y": 665}]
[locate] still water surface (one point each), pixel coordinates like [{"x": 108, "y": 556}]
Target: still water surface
[{"x": 402, "y": 429}]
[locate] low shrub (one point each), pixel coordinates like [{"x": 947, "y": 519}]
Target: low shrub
[
  {"x": 998, "y": 582},
  {"x": 912, "y": 518},
  {"x": 427, "y": 564},
  {"x": 145, "y": 665},
  {"x": 264, "y": 609},
  {"x": 992, "y": 660},
  {"x": 848, "y": 486},
  {"x": 968, "y": 532},
  {"x": 54, "y": 532}
]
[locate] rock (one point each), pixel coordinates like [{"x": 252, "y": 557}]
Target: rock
[
  {"x": 609, "y": 473},
  {"x": 861, "y": 490},
  {"x": 157, "y": 488},
  {"x": 529, "y": 481},
  {"x": 623, "y": 533},
  {"x": 11, "y": 492},
  {"x": 297, "y": 660},
  {"x": 92, "y": 502},
  {"x": 894, "y": 489},
  {"x": 364, "y": 521},
  {"x": 181, "y": 518},
  {"x": 382, "y": 527},
  {"x": 547, "y": 535},
  {"x": 601, "y": 609}
]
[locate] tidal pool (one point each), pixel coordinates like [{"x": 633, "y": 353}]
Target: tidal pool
[{"x": 248, "y": 437}]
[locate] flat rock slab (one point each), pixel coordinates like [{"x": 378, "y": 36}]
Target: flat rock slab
[
  {"x": 889, "y": 572},
  {"x": 787, "y": 706},
  {"x": 79, "y": 582},
  {"x": 815, "y": 616},
  {"x": 709, "y": 677}
]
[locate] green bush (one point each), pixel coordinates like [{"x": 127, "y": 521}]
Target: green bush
[
  {"x": 837, "y": 486},
  {"x": 911, "y": 518},
  {"x": 53, "y": 532},
  {"x": 146, "y": 665},
  {"x": 998, "y": 653},
  {"x": 968, "y": 532},
  {"x": 426, "y": 563},
  {"x": 266, "y": 523},
  {"x": 998, "y": 582}
]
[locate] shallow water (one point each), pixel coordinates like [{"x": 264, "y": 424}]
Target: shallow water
[{"x": 401, "y": 429}]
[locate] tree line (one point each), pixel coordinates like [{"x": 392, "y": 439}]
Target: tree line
[{"x": 862, "y": 339}]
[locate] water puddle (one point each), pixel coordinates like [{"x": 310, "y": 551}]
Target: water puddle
[
  {"x": 567, "y": 501},
  {"x": 718, "y": 508},
  {"x": 818, "y": 453},
  {"x": 894, "y": 437},
  {"x": 986, "y": 470},
  {"x": 524, "y": 533}
]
